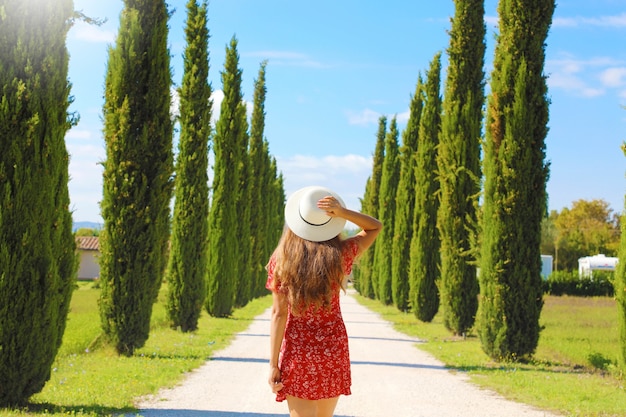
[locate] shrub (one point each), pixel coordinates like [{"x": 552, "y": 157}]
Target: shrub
[{"x": 569, "y": 283}]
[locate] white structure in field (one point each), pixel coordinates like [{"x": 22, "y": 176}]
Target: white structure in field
[
  {"x": 588, "y": 264},
  {"x": 546, "y": 266},
  {"x": 88, "y": 248}
]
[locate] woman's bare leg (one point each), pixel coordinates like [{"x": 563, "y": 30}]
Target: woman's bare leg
[
  {"x": 326, "y": 407},
  {"x": 299, "y": 407}
]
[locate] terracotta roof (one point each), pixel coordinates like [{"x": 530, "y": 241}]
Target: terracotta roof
[{"x": 87, "y": 243}]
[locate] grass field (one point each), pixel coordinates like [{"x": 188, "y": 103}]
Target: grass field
[{"x": 574, "y": 372}]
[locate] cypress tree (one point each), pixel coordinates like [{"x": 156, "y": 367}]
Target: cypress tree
[
  {"x": 276, "y": 208},
  {"x": 259, "y": 168},
  {"x": 515, "y": 180},
  {"x": 137, "y": 177},
  {"x": 37, "y": 249},
  {"x": 365, "y": 279},
  {"x": 405, "y": 203},
  {"x": 188, "y": 253},
  {"x": 243, "y": 272},
  {"x": 224, "y": 211},
  {"x": 386, "y": 214},
  {"x": 458, "y": 162},
  {"x": 424, "y": 250},
  {"x": 243, "y": 286},
  {"x": 272, "y": 204},
  {"x": 620, "y": 283}
]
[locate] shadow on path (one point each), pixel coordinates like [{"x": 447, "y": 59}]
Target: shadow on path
[
  {"x": 395, "y": 364},
  {"x": 388, "y": 339},
  {"x": 234, "y": 359},
  {"x": 401, "y": 365},
  {"x": 200, "y": 413}
]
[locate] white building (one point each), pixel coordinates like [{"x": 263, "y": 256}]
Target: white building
[
  {"x": 599, "y": 262},
  {"x": 88, "y": 248},
  {"x": 546, "y": 266}
]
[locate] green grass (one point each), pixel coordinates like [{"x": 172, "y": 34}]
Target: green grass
[
  {"x": 575, "y": 370},
  {"x": 89, "y": 379}
]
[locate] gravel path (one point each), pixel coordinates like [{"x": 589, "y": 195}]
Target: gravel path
[{"x": 390, "y": 378}]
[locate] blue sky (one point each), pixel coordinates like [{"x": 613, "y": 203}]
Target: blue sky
[{"x": 335, "y": 66}]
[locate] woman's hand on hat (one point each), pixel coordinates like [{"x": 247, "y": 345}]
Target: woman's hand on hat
[{"x": 330, "y": 205}]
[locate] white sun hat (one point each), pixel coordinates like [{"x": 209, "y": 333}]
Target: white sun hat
[{"x": 307, "y": 220}]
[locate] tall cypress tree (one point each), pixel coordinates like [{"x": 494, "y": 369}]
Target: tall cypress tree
[
  {"x": 190, "y": 227},
  {"x": 365, "y": 278},
  {"x": 37, "y": 249},
  {"x": 458, "y": 162},
  {"x": 515, "y": 183},
  {"x": 243, "y": 273},
  {"x": 424, "y": 269},
  {"x": 386, "y": 213},
  {"x": 259, "y": 167},
  {"x": 224, "y": 211},
  {"x": 620, "y": 283},
  {"x": 137, "y": 177},
  {"x": 405, "y": 203}
]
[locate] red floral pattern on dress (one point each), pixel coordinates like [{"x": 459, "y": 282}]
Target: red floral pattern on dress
[{"x": 314, "y": 358}]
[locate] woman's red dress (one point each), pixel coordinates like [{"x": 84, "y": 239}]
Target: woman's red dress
[{"x": 314, "y": 359}]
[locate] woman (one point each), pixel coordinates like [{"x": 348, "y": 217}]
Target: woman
[{"x": 309, "y": 359}]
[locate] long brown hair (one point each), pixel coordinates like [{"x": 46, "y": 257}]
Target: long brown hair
[{"x": 309, "y": 271}]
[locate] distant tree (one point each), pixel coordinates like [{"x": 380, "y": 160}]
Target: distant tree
[
  {"x": 587, "y": 228},
  {"x": 458, "y": 164},
  {"x": 37, "y": 250},
  {"x": 386, "y": 213},
  {"x": 620, "y": 284},
  {"x": 224, "y": 212},
  {"x": 85, "y": 231},
  {"x": 137, "y": 177},
  {"x": 365, "y": 279},
  {"x": 424, "y": 249},
  {"x": 259, "y": 169},
  {"x": 188, "y": 255},
  {"x": 405, "y": 202},
  {"x": 515, "y": 183}
]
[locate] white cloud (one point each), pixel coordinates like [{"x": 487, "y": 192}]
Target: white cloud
[
  {"x": 363, "y": 118},
  {"x": 585, "y": 78},
  {"x": 613, "y": 77},
  {"x": 368, "y": 117},
  {"x": 217, "y": 97},
  {"x": 175, "y": 102},
  {"x": 616, "y": 21},
  {"x": 85, "y": 184},
  {"x": 573, "y": 84},
  {"x": 92, "y": 33},
  {"x": 492, "y": 20},
  {"x": 403, "y": 117},
  {"x": 75, "y": 133},
  {"x": 564, "y": 22},
  {"x": 344, "y": 174}
]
